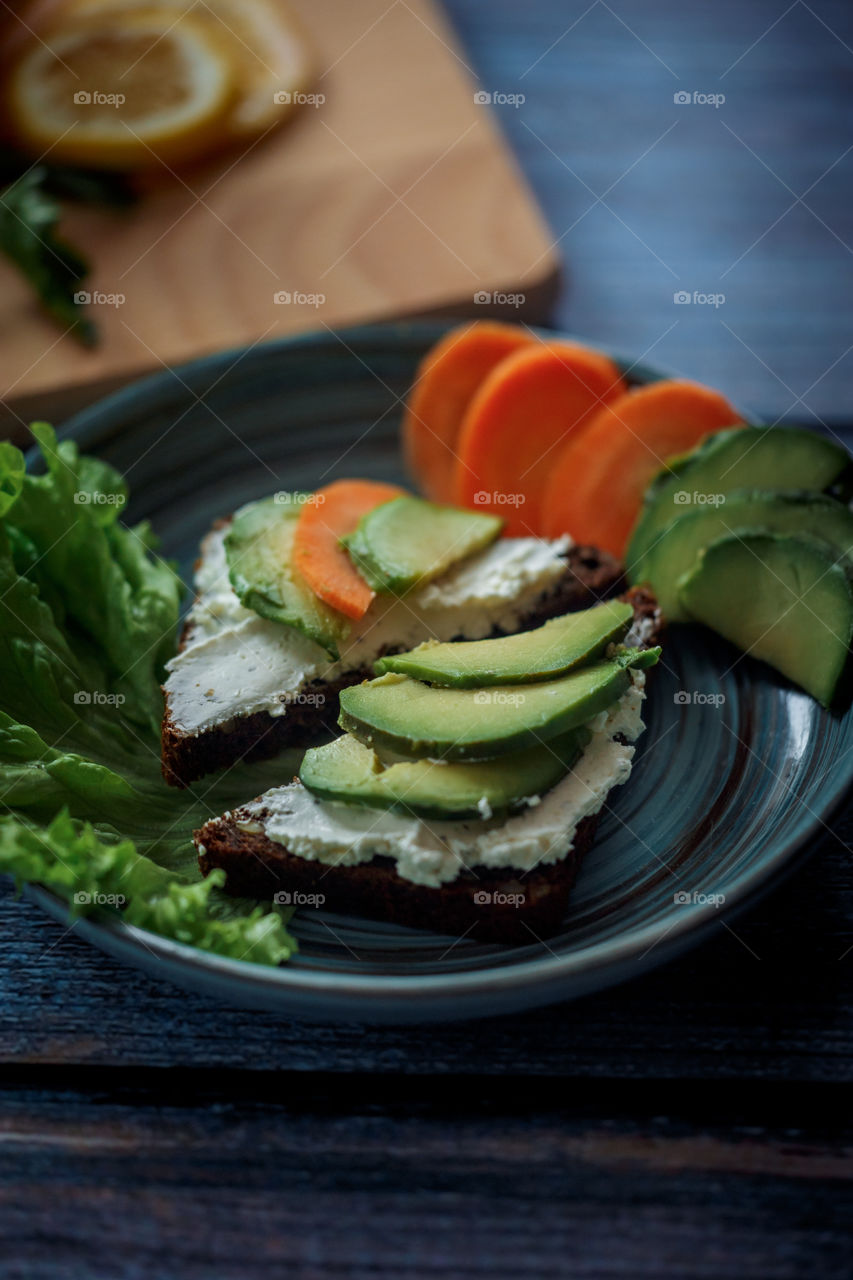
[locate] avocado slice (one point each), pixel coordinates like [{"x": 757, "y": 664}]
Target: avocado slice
[
  {"x": 350, "y": 773},
  {"x": 781, "y": 598},
  {"x": 542, "y": 654},
  {"x": 407, "y": 541},
  {"x": 678, "y": 545},
  {"x": 398, "y": 715},
  {"x": 739, "y": 458},
  {"x": 258, "y": 548}
]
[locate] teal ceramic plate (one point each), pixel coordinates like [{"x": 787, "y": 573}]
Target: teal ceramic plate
[{"x": 736, "y": 774}]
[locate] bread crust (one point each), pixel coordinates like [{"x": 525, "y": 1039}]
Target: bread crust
[
  {"x": 591, "y": 575},
  {"x": 522, "y": 906}
]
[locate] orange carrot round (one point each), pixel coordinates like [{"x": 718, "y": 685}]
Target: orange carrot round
[
  {"x": 333, "y": 511},
  {"x": 446, "y": 380},
  {"x": 525, "y": 410},
  {"x": 598, "y": 479}
]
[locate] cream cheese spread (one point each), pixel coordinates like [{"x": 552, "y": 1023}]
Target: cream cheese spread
[
  {"x": 235, "y": 663},
  {"x": 433, "y": 853}
]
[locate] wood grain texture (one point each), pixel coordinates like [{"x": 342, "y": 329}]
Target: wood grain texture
[
  {"x": 770, "y": 1000},
  {"x": 173, "y": 1177},
  {"x": 646, "y": 197},
  {"x": 395, "y": 196}
]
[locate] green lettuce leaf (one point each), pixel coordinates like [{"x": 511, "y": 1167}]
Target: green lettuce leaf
[
  {"x": 88, "y": 619},
  {"x": 97, "y": 877}
]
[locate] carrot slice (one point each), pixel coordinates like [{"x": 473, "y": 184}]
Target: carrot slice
[
  {"x": 598, "y": 480},
  {"x": 446, "y": 380},
  {"x": 524, "y": 411},
  {"x": 317, "y": 554}
]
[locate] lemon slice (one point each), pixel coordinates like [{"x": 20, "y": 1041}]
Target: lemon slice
[
  {"x": 123, "y": 90},
  {"x": 271, "y": 57}
]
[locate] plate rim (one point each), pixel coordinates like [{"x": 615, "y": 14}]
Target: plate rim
[{"x": 526, "y": 983}]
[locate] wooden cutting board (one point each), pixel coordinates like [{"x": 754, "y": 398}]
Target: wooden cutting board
[{"x": 395, "y": 196}]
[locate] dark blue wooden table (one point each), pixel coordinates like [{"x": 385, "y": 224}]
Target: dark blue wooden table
[
  {"x": 744, "y": 201},
  {"x": 693, "y": 1123}
]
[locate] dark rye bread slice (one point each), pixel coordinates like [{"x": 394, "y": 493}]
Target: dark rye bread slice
[
  {"x": 491, "y": 905},
  {"x": 591, "y": 575},
  {"x": 498, "y": 905}
]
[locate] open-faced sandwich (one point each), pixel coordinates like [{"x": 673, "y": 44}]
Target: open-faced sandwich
[
  {"x": 285, "y": 616},
  {"x": 466, "y": 785},
  {"x": 490, "y": 690}
]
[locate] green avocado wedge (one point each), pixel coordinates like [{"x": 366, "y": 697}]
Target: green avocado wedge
[
  {"x": 739, "y": 458},
  {"x": 258, "y": 548},
  {"x": 680, "y": 543},
  {"x": 350, "y": 773},
  {"x": 401, "y": 716},
  {"x": 780, "y": 598},
  {"x": 542, "y": 654},
  {"x": 408, "y": 541}
]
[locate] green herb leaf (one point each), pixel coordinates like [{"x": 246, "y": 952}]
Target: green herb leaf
[
  {"x": 89, "y": 186},
  {"x": 29, "y": 215}
]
